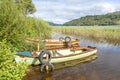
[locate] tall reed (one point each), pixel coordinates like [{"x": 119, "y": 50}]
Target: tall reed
[{"x": 111, "y": 34}]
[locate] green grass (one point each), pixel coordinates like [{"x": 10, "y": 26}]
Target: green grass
[{"x": 111, "y": 34}]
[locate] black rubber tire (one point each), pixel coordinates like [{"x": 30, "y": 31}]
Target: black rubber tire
[
  {"x": 41, "y": 57},
  {"x": 67, "y": 39},
  {"x": 61, "y": 39},
  {"x": 69, "y": 44},
  {"x": 50, "y": 67}
]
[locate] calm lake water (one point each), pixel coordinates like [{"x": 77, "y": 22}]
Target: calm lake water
[{"x": 105, "y": 67}]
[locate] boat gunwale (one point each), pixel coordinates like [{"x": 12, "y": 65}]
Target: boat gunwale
[
  {"x": 49, "y": 40},
  {"x": 81, "y": 58},
  {"x": 90, "y": 49},
  {"x": 74, "y": 54}
]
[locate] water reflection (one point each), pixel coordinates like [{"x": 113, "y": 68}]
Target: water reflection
[
  {"x": 59, "y": 74},
  {"x": 105, "y": 67},
  {"x": 47, "y": 76},
  {"x": 34, "y": 74}
]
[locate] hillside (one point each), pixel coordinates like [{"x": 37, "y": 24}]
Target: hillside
[
  {"x": 107, "y": 19},
  {"x": 54, "y": 24}
]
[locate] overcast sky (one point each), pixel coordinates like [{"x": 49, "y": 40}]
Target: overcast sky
[{"x": 61, "y": 11}]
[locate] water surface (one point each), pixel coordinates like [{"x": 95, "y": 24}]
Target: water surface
[{"x": 105, "y": 67}]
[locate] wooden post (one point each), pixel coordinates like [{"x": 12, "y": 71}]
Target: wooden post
[
  {"x": 47, "y": 67},
  {"x": 38, "y": 46}
]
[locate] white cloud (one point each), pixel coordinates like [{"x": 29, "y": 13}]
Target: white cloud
[
  {"x": 60, "y": 11},
  {"x": 107, "y": 7}
]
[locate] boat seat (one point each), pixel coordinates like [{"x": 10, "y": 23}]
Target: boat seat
[
  {"x": 79, "y": 51},
  {"x": 55, "y": 53},
  {"x": 50, "y": 40},
  {"x": 64, "y": 52}
]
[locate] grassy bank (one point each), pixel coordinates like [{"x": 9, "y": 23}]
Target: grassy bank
[{"x": 111, "y": 34}]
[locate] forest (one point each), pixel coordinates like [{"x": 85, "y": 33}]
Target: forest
[{"x": 99, "y": 20}]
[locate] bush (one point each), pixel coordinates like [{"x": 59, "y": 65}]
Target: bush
[{"x": 9, "y": 70}]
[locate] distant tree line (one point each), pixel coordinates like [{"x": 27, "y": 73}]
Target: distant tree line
[{"x": 100, "y": 20}]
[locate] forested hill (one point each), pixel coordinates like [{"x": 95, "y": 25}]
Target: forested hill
[
  {"x": 54, "y": 24},
  {"x": 107, "y": 19}
]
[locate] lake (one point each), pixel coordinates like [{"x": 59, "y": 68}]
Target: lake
[{"x": 105, "y": 67}]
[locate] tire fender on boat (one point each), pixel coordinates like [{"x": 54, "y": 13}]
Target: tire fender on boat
[
  {"x": 42, "y": 58},
  {"x": 43, "y": 66},
  {"x": 61, "y": 39},
  {"x": 68, "y": 42},
  {"x": 67, "y": 39}
]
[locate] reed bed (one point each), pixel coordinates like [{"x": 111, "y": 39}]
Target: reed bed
[{"x": 111, "y": 34}]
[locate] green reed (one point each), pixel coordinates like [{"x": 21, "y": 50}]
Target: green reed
[{"x": 108, "y": 33}]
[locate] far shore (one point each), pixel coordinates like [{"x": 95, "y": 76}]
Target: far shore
[{"x": 109, "y": 33}]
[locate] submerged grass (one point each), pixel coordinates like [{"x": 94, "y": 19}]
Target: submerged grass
[{"x": 110, "y": 34}]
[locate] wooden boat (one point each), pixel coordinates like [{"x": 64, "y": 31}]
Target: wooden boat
[
  {"x": 57, "y": 42},
  {"x": 53, "y": 43},
  {"x": 58, "y": 55}
]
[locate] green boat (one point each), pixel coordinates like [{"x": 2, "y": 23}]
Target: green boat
[{"x": 57, "y": 55}]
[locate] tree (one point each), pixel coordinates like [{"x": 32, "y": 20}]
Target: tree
[
  {"x": 13, "y": 24},
  {"x": 27, "y": 6},
  {"x": 15, "y": 27}
]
